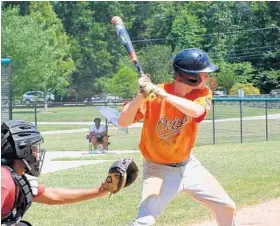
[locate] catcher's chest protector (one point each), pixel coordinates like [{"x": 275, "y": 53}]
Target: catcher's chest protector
[{"x": 22, "y": 202}]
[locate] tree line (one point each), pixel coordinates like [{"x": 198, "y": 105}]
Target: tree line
[{"x": 71, "y": 49}]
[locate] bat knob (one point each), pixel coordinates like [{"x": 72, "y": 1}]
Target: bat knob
[
  {"x": 116, "y": 20},
  {"x": 152, "y": 96}
]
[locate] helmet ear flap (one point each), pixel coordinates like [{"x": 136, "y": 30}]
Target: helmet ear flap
[{"x": 191, "y": 79}]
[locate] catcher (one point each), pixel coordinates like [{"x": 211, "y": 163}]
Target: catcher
[
  {"x": 168, "y": 136},
  {"x": 21, "y": 162}
]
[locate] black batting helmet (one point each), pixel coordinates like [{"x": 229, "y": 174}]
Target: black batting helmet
[
  {"x": 189, "y": 62},
  {"x": 17, "y": 141}
]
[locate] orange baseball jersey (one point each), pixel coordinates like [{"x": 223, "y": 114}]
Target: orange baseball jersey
[{"x": 168, "y": 135}]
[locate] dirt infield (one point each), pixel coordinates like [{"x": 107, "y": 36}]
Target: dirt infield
[{"x": 265, "y": 214}]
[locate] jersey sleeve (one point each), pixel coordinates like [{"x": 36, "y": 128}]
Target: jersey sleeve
[
  {"x": 206, "y": 102},
  {"x": 140, "y": 114}
]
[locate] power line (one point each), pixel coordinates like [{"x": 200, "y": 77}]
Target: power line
[
  {"x": 202, "y": 35},
  {"x": 245, "y": 57},
  {"x": 236, "y": 54},
  {"x": 254, "y": 48},
  {"x": 252, "y": 52},
  {"x": 249, "y": 56}
]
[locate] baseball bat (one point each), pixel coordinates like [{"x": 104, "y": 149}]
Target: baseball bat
[{"x": 126, "y": 42}]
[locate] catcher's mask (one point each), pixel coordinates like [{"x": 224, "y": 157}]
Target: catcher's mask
[
  {"x": 21, "y": 140},
  {"x": 188, "y": 63}
]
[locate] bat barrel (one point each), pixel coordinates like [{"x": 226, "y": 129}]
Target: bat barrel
[
  {"x": 126, "y": 42},
  {"x": 116, "y": 20}
]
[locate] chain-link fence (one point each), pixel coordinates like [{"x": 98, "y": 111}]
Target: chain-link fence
[
  {"x": 6, "y": 90},
  {"x": 231, "y": 120},
  {"x": 238, "y": 120}
]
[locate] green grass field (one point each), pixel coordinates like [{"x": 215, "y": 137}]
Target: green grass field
[
  {"x": 88, "y": 113},
  {"x": 225, "y": 132},
  {"x": 59, "y": 114},
  {"x": 78, "y": 142},
  {"x": 60, "y": 127},
  {"x": 249, "y": 172}
]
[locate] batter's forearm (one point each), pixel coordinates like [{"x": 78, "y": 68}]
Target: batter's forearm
[
  {"x": 129, "y": 111},
  {"x": 188, "y": 107}
]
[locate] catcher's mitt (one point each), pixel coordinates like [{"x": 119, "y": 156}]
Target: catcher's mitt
[{"x": 121, "y": 174}]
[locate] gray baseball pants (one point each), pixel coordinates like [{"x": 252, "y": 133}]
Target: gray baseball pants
[{"x": 161, "y": 184}]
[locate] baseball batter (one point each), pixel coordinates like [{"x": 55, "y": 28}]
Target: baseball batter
[{"x": 168, "y": 136}]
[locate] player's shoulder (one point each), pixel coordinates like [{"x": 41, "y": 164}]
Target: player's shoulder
[
  {"x": 166, "y": 86},
  {"x": 203, "y": 92},
  {"x": 5, "y": 172},
  {"x": 207, "y": 90},
  {"x": 6, "y": 178}
]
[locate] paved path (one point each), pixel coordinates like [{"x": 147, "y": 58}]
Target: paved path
[
  {"x": 52, "y": 166},
  {"x": 140, "y": 124}
]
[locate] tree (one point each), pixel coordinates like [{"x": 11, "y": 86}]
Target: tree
[
  {"x": 95, "y": 49},
  {"x": 187, "y": 30},
  {"x": 267, "y": 80},
  {"x": 218, "y": 20},
  {"x": 225, "y": 76},
  {"x": 28, "y": 45},
  {"x": 242, "y": 37},
  {"x": 243, "y": 71},
  {"x": 123, "y": 84},
  {"x": 157, "y": 61},
  {"x": 60, "y": 65},
  {"x": 230, "y": 73}
]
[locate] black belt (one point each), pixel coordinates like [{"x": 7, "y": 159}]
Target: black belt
[{"x": 179, "y": 164}]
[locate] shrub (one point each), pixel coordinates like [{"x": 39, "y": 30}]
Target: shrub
[{"x": 248, "y": 88}]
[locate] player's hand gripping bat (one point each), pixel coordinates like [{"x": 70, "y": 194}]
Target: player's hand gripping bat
[{"x": 126, "y": 42}]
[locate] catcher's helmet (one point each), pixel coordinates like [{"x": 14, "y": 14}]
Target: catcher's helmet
[
  {"x": 18, "y": 139},
  {"x": 190, "y": 62}
]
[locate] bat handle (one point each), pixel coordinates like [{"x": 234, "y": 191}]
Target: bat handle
[{"x": 151, "y": 96}]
